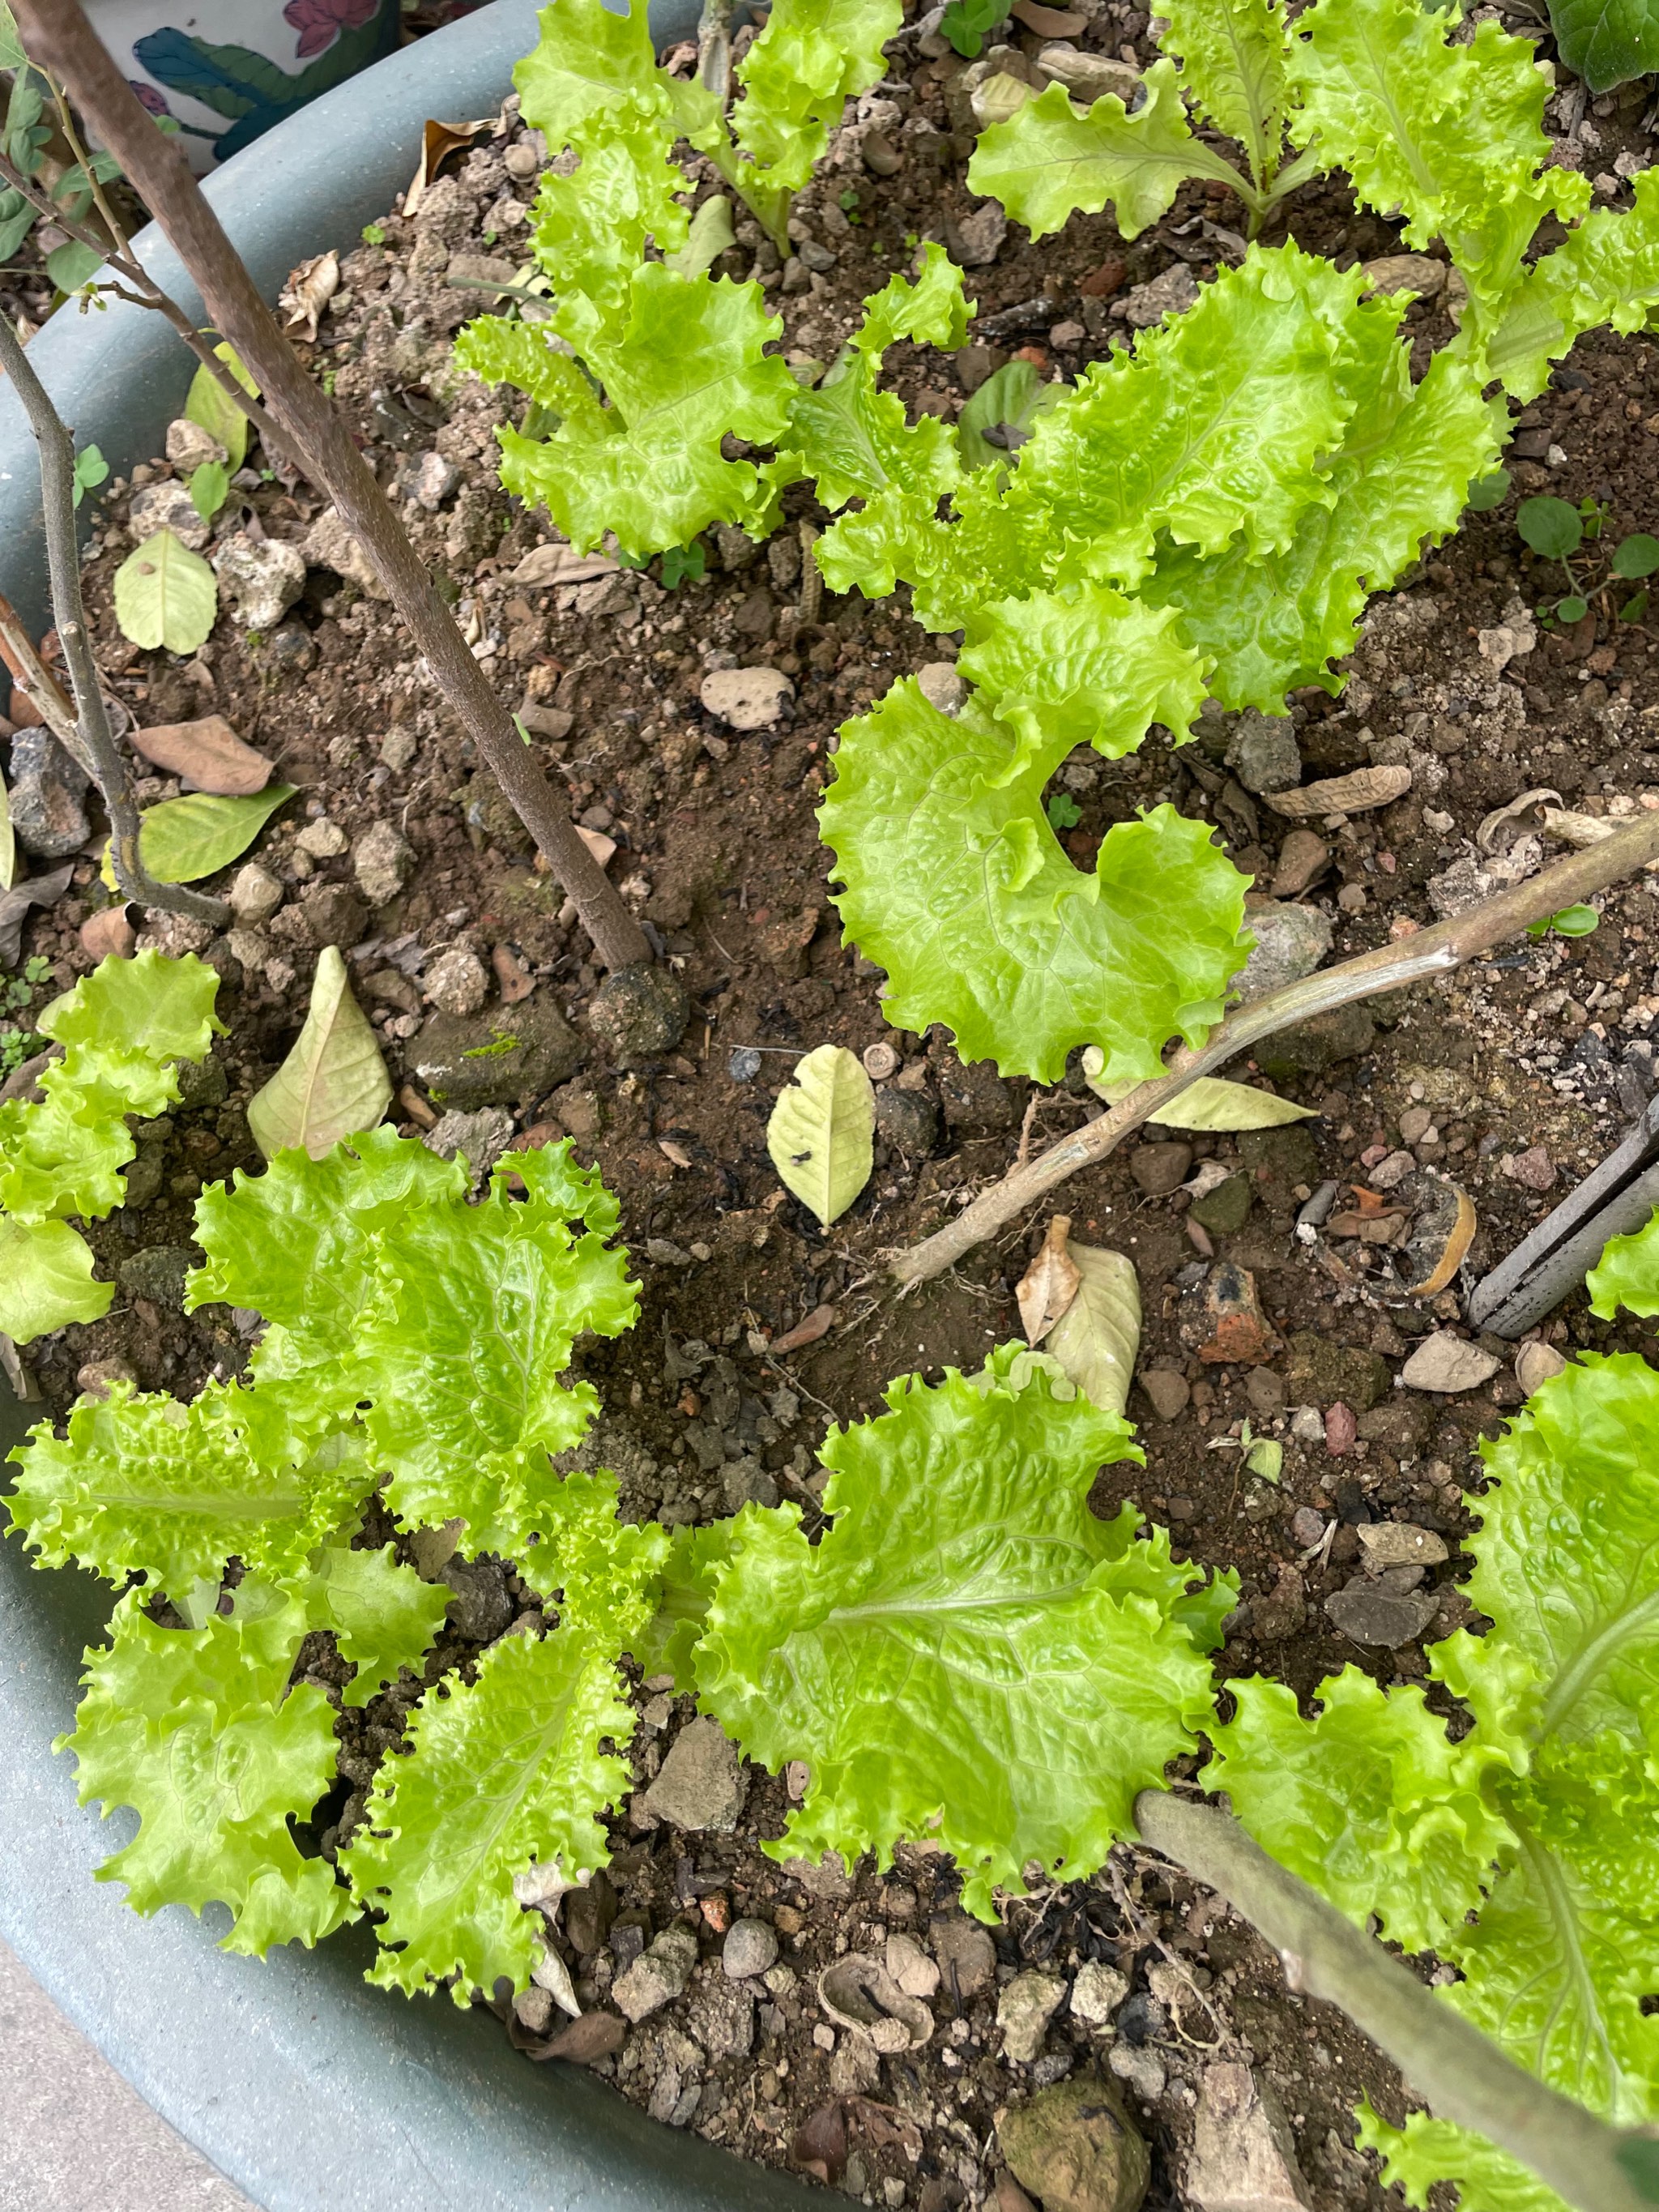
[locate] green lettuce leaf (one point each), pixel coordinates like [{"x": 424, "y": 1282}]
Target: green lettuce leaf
[
  {"x": 963, "y": 1657},
  {"x": 605, "y": 1572},
  {"x": 1627, "y": 1274},
  {"x": 1231, "y": 54},
  {"x": 1090, "y": 669},
  {"x": 45, "y": 1279},
  {"x": 532, "y": 356},
  {"x": 1426, "y": 2151},
  {"x": 589, "y": 57},
  {"x": 1052, "y": 159},
  {"x": 953, "y": 882},
  {"x": 688, "y": 366},
  {"x": 383, "y": 1615},
  {"x": 466, "y": 1399},
  {"x": 811, "y": 59},
  {"x": 668, "y": 1643},
  {"x": 1273, "y": 621},
  {"x": 1451, "y": 134},
  {"x": 591, "y": 228},
  {"x": 194, "y": 1731},
  {"x": 143, "y": 1484},
  {"x": 1607, "y": 270},
  {"x": 500, "y": 1773},
  {"x": 928, "y": 308}
]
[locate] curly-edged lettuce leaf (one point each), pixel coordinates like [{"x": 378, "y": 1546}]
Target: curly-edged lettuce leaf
[
  {"x": 961, "y": 1657},
  {"x": 929, "y": 308},
  {"x": 194, "y": 1730},
  {"x": 953, "y": 882},
  {"x": 1052, "y": 159},
  {"x": 1426, "y": 2151},
  {"x": 813, "y": 56},
  {"x": 1231, "y": 54},
  {"x": 1451, "y": 134},
  {"x": 1627, "y": 1274},
  {"x": 590, "y": 228},
  {"x": 383, "y": 1615},
  {"x": 605, "y": 1573},
  {"x": 1607, "y": 270},
  {"x": 686, "y": 366},
  {"x": 532, "y": 356},
  {"x": 1371, "y": 1802},
  {"x": 1270, "y": 622},
  {"x": 589, "y": 57},
  {"x": 668, "y": 1643},
  {"x": 45, "y": 1279},
  {"x": 143, "y": 1484},
  {"x": 500, "y": 1773},
  {"x": 1219, "y": 426},
  {"x": 466, "y": 1399},
  {"x": 1090, "y": 668}
]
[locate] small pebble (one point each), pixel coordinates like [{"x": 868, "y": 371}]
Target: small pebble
[
  {"x": 751, "y": 1947},
  {"x": 745, "y": 1063}
]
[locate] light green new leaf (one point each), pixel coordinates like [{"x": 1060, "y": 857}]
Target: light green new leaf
[
  {"x": 501, "y": 1773},
  {"x": 1607, "y": 42},
  {"x": 530, "y": 356},
  {"x": 709, "y": 233},
  {"x": 383, "y": 1615},
  {"x": 166, "y": 595},
  {"x": 589, "y": 57},
  {"x": 821, "y": 1135},
  {"x": 1096, "y": 1340},
  {"x": 143, "y": 1485},
  {"x": 1088, "y": 667},
  {"x": 968, "y": 1656},
  {"x": 467, "y": 1399},
  {"x": 928, "y": 308},
  {"x": 1607, "y": 270},
  {"x": 689, "y": 366},
  {"x": 1627, "y": 1274},
  {"x": 853, "y": 441},
  {"x": 1452, "y": 134},
  {"x": 1052, "y": 160},
  {"x": 1209, "y": 1103},
  {"x": 1426, "y": 2151},
  {"x": 1272, "y": 621},
  {"x": 591, "y": 228},
  {"x": 183, "y": 840},
  {"x": 811, "y": 57},
  {"x": 194, "y": 1731},
  {"x": 953, "y": 882},
  {"x": 605, "y": 1573},
  {"x": 45, "y": 1279},
  {"x": 123, "y": 1026},
  {"x": 1231, "y": 54},
  {"x": 334, "y": 1083},
  {"x": 668, "y": 1643},
  {"x": 207, "y": 403}
]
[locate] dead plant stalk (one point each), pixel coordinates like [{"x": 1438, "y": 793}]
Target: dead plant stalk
[
  {"x": 1436, "y": 951},
  {"x": 57, "y": 36}
]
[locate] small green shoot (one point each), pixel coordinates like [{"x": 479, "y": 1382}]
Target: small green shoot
[
  {"x": 91, "y": 469},
  {"x": 373, "y": 233},
  {"x": 966, "y": 22},
  {"x": 210, "y": 488},
  {"x": 1636, "y": 556},
  {"x": 685, "y": 564},
  {"x": 1063, "y": 811},
  {"x": 1570, "y": 922}
]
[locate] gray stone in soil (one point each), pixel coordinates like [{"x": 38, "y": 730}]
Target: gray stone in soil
[
  {"x": 255, "y": 895},
  {"x": 482, "y": 1608},
  {"x": 202, "y": 1083},
  {"x": 1159, "y": 1169},
  {"x": 1321, "y": 1373},
  {"x": 1024, "y": 2009},
  {"x": 1447, "y": 1363},
  {"x": 637, "y": 1014},
  {"x": 143, "y": 1177},
  {"x": 1167, "y": 1393},
  {"x": 1381, "y": 1619},
  {"x": 158, "y": 1274},
  {"x": 46, "y": 787},
  {"x": 332, "y": 914},
  {"x": 1224, "y": 1210},
  {"x": 456, "y": 982},
  {"x": 976, "y": 1098},
  {"x": 1310, "y": 1047},
  {"x": 700, "y": 1785},
  {"x": 721, "y": 2016},
  {"x": 967, "y": 1957},
  {"x": 1262, "y": 753},
  {"x": 381, "y": 861},
  {"x": 1170, "y": 293},
  {"x": 469, "y": 1060},
  {"x": 167, "y": 506},
  {"x": 658, "y": 1976},
  {"x": 1098, "y": 1992},
  {"x": 1400, "y": 1424},
  {"x": 908, "y": 1121},
  {"x": 480, "y": 1138},
  {"x": 260, "y": 578},
  {"x": 751, "y": 1947},
  {"x": 1243, "y": 2155},
  {"x": 1141, "y": 2071},
  {"x": 1076, "y": 2148},
  {"x": 1290, "y": 941}
]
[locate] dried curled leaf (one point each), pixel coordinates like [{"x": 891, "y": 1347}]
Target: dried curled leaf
[
  {"x": 333, "y": 1085},
  {"x": 1096, "y": 1339},
  {"x": 1343, "y": 795},
  {"x": 1050, "y": 1284},
  {"x": 822, "y": 1132}
]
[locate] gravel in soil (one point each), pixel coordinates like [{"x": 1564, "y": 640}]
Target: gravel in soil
[{"x": 1509, "y": 1080}]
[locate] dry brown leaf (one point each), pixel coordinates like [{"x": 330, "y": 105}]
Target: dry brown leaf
[
  {"x": 598, "y": 843},
  {"x": 1343, "y": 795},
  {"x": 1511, "y": 817},
  {"x": 309, "y": 291},
  {"x": 1050, "y": 1284},
  {"x": 816, "y": 1324},
  {"x": 439, "y": 143},
  {"x": 677, "y": 1154},
  {"x": 1442, "y": 1231},
  {"x": 207, "y": 754},
  {"x": 515, "y": 979},
  {"x": 545, "y": 565},
  {"x": 109, "y": 932}
]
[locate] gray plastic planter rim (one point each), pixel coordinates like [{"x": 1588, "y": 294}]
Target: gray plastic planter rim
[{"x": 311, "y": 2091}]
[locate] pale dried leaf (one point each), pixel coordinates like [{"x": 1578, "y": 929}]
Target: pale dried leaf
[
  {"x": 1343, "y": 795},
  {"x": 207, "y": 753},
  {"x": 309, "y": 291},
  {"x": 1097, "y": 1338},
  {"x": 821, "y": 1135},
  {"x": 334, "y": 1083},
  {"x": 1050, "y": 1284}
]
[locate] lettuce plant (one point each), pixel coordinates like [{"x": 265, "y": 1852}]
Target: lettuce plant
[
  {"x": 122, "y": 1029},
  {"x": 1524, "y": 1851}
]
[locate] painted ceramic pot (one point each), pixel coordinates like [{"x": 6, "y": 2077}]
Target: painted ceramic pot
[{"x": 225, "y": 70}]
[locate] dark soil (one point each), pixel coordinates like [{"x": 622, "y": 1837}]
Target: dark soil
[{"x": 1544, "y": 1052}]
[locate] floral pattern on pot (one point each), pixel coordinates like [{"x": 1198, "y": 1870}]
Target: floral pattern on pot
[{"x": 319, "y": 22}]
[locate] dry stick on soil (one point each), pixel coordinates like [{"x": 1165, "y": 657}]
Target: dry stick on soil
[
  {"x": 56, "y": 32},
  {"x": 1428, "y": 952},
  {"x": 97, "y": 748},
  {"x": 1465, "y": 2077}
]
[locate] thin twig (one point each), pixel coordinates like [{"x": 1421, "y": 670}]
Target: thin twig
[
  {"x": 100, "y": 751},
  {"x": 1461, "y": 2073},
  {"x": 1430, "y": 951}
]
